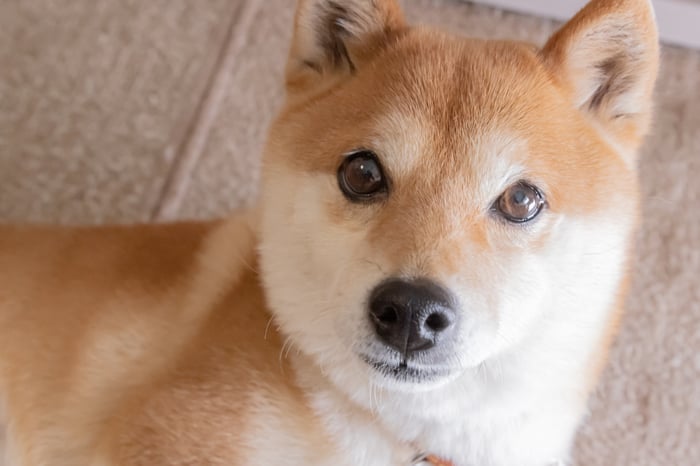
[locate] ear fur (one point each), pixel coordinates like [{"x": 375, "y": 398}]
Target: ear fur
[
  {"x": 607, "y": 58},
  {"x": 334, "y": 37}
]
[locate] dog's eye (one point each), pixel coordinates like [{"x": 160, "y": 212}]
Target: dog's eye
[
  {"x": 360, "y": 176},
  {"x": 520, "y": 203}
]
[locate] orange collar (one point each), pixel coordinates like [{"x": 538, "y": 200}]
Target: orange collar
[{"x": 431, "y": 460}]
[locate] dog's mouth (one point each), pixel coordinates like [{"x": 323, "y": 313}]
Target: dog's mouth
[{"x": 406, "y": 371}]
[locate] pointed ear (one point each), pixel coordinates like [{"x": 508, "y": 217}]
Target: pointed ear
[
  {"x": 607, "y": 58},
  {"x": 334, "y": 37}
]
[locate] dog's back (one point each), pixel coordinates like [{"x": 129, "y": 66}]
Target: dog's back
[{"x": 100, "y": 325}]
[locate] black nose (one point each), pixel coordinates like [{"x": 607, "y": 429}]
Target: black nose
[{"x": 412, "y": 316}]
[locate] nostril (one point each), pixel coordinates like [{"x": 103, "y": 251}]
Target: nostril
[
  {"x": 411, "y": 316},
  {"x": 438, "y": 321},
  {"x": 387, "y": 315}
]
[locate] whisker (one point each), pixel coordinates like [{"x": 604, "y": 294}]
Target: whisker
[
  {"x": 284, "y": 351},
  {"x": 379, "y": 267},
  {"x": 267, "y": 328}
]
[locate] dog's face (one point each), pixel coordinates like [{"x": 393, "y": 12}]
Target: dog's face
[{"x": 431, "y": 202}]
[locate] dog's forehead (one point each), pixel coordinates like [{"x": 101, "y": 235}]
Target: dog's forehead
[
  {"x": 457, "y": 81},
  {"x": 455, "y": 105},
  {"x": 417, "y": 153},
  {"x": 470, "y": 116}
]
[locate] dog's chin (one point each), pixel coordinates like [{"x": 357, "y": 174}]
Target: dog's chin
[{"x": 408, "y": 376}]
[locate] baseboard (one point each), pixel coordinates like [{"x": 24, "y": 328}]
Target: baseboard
[{"x": 679, "y": 20}]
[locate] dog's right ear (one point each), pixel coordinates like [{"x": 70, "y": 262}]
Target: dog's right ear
[{"x": 334, "y": 37}]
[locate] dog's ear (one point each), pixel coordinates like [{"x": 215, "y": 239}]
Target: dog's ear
[
  {"x": 335, "y": 37},
  {"x": 606, "y": 57}
]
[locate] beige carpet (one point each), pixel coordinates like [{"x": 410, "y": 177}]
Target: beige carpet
[{"x": 132, "y": 110}]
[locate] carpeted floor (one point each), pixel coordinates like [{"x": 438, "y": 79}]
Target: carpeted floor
[{"x": 137, "y": 111}]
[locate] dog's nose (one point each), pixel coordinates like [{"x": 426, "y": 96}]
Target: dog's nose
[{"x": 411, "y": 316}]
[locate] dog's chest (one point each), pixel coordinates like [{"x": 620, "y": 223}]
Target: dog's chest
[{"x": 507, "y": 431}]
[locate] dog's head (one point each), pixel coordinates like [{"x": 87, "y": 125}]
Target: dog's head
[{"x": 432, "y": 202}]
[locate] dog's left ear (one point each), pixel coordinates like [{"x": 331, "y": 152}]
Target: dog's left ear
[
  {"x": 333, "y": 38},
  {"x": 606, "y": 57}
]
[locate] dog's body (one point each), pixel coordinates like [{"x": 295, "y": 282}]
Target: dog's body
[{"x": 437, "y": 266}]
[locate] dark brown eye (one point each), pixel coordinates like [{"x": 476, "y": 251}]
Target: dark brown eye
[
  {"x": 520, "y": 203},
  {"x": 360, "y": 176}
]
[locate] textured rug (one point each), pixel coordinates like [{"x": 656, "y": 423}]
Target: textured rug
[{"x": 138, "y": 111}]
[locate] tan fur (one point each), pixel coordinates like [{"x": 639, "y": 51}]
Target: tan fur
[
  {"x": 97, "y": 316},
  {"x": 156, "y": 345}
]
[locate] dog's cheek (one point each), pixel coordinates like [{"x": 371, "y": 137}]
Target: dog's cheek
[
  {"x": 521, "y": 300},
  {"x": 287, "y": 251},
  {"x": 502, "y": 294},
  {"x": 354, "y": 266},
  {"x": 562, "y": 287},
  {"x": 314, "y": 266}
]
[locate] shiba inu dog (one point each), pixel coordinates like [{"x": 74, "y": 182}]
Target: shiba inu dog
[{"x": 434, "y": 273}]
